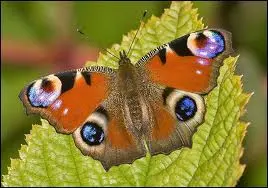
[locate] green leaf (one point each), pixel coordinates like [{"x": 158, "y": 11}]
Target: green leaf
[{"x": 51, "y": 159}]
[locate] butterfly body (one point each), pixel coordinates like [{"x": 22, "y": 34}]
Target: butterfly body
[{"x": 158, "y": 101}]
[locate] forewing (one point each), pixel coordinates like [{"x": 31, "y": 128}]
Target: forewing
[
  {"x": 66, "y": 99},
  {"x": 190, "y": 63}
]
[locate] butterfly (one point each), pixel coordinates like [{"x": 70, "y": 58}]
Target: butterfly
[{"x": 158, "y": 101}]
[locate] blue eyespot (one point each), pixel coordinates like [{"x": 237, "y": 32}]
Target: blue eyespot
[
  {"x": 208, "y": 44},
  {"x": 92, "y": 134},
  {"x": 42, "y": 95},
  {"x": 185, "y": 108}
]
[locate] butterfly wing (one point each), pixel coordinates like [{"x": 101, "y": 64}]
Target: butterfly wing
[
  {"x": 104, "y": 136},
  {"x": 80, "y": 102},
  {"x": 180, "y": 71},
  {"x": 71, "y": 101},
  {"x": 190, "y": 63},
  {"x": 175, "y": 116},
  {"x": 65, "y": 99}
]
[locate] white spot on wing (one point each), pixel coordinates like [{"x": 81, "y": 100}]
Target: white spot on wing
[
  {"x": 65, "y": 111},
  {"x": 78, "y": 76},
  {"x": 202, "y": 61},
  {"x": 57, "y": 104},
  {"x": 198, "y": 72},
  {"x": 204, "y": 53},
  {"x": 168, "y": 49}
]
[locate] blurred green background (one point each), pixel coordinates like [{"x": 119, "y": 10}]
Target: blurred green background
[{"x": 39, "y": 38}]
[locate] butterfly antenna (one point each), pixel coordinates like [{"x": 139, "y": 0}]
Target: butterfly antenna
[
  {"x": 141, "y": 26},
  {"x": 82, "y": 33}
]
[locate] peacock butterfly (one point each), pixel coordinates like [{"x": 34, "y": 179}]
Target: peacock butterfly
[{"x": 159, "y": 99}]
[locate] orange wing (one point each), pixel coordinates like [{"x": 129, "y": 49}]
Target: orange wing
[
  {"x": 176, "y": 115},
  {"x": 66, "y": 99},
  {"x": 118, "y": 136},
  {"x": 104, "y": 137},
  {"x": 190, "y": 63},
  {"x": 185, "y": 73}
]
